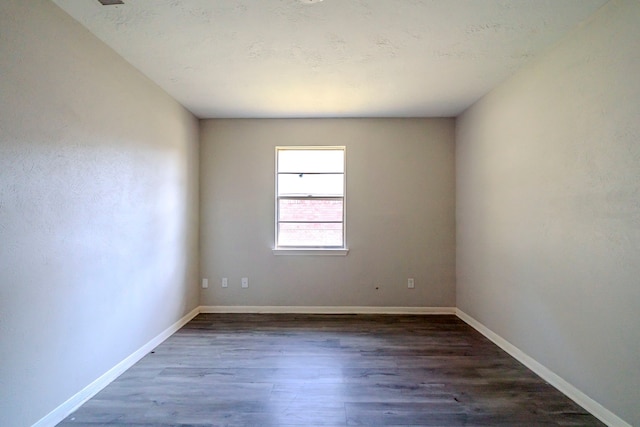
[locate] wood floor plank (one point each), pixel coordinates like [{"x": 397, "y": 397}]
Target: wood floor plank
[{"x": 328, "y": 370}]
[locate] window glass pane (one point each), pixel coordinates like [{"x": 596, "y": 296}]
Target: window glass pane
[
  {"x": 311, "y": 161},
  {"x": 310, "y": 210},
  {"x": 306, "y": 234},
  {"x": 310, "y": 185}
]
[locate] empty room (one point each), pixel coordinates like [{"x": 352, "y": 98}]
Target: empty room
[{"x": 319, "y": 213}]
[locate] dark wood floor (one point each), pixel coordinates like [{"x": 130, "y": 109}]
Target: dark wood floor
[{"x": 328, "y": 370}]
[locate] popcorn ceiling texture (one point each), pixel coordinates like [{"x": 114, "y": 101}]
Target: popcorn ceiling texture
[{"x": 363, "y": 58}]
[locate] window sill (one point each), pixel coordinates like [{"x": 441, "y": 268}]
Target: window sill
[{"x": 313, "y": 251}]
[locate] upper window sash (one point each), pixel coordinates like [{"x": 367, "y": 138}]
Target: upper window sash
[
  {"x": 310, "y": 160},
  {"x": 311, "y": 185}
]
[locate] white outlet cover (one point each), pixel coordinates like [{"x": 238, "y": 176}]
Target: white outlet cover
[
  {"x": 225, "y": 282},
  {"x": 245, "y": 282},
  {"x": 205, "y": 283}
]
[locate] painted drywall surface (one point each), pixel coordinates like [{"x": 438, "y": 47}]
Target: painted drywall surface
[
  {"x": 400, "y": 214},
  {"x": 98, "y": 210},
  {"x": 548, "y": 210}
]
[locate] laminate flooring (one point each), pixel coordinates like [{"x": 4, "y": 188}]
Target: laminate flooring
[{"x": 328, "y": 370}]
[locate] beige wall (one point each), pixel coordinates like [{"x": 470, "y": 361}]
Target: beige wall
[
  {"x": 548, "y": 209},
  {"x": 98, "y": 210},
  {"x": 400, "y": 214}
]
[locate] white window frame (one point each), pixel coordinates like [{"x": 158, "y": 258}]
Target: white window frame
[{"x": 312, "y": 250}]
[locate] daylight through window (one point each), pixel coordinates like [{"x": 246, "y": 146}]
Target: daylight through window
[{"x": 310, "y": 197}]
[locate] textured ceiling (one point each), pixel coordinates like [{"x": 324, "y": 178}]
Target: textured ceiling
[{"x": 331, "y": 58}]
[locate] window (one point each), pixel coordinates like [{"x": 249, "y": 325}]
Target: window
[{"x": 310, "y": 198}]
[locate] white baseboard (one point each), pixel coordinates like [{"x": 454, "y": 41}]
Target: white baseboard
[
  {"x": 324, "y": 309},
  {"x": 596, "y": 409},
  {"x": 75, "y": 401}
]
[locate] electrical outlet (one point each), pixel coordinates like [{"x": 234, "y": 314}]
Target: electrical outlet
[
  {"x": 410, "y": 283},
  {"x": 225, "y": 282},
  {"x": 245, "y": 282},
  {"x": 205, "y": 283}
]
